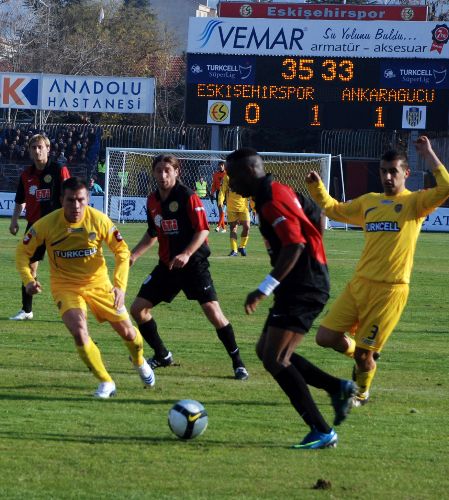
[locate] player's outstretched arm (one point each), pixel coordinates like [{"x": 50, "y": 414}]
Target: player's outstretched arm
[{"x": 424, "y": 149}]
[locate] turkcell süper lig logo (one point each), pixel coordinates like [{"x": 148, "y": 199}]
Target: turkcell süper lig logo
[
  {"x": 18, "y": 91},
  {"x": 245, "y": 37}
]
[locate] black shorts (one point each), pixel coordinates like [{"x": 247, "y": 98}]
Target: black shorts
[
  {"x": 296, "y": 313},
  {"x": 194, "y": 280},
  {"x": 40, "y": 250}
]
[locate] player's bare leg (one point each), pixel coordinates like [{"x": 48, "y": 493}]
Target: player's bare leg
[
  {"x": 75, "y": 321},
  {"x": 338, "y": 341}
]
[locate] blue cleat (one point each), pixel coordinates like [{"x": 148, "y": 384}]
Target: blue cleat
[
  {"x": 242, "y": 251},
  {"x": 233, "y": 254},
  {"x": 342, "y": 400},
  {"x": 316, "y": 440}
]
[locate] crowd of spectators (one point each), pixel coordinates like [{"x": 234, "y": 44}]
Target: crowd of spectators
[{"x": 68, "y": 145}]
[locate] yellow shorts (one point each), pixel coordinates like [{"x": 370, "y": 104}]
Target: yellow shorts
[
  {"x": 238, "y": 216},
  {"x": 368, "y": 310},
  {"x": 99, "y": 298}
]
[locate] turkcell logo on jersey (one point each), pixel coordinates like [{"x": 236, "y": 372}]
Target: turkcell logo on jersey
[
  {"x": 227, "y": 35},
  {"x": 382, "y": 226},
  {"x": 426, "y": 74},
  {"x": 75, "y": 254},
  {"x": 19, "y": 91},
  {"x": 224, "y": 69}
]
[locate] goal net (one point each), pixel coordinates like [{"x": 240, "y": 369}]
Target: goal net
[{"x": 129, "y": 177}]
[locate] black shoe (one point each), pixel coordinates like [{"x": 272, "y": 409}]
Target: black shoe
[
  {"x": 160, "y": 362},
  {"x": 342, "y": 400},
  {"x": 241, "y": 373}
]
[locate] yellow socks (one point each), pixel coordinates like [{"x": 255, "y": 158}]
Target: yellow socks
[
  {"x": 91, "y": 357},
  {"x": 244, "y": 241},
  {"x": 363, "y": 381},
  {"x": 135, "y": 348},
  {"x": 233, "y": 244}
]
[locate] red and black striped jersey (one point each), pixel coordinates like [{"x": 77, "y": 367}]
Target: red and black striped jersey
[
  {"x": 40, "y": 190},
  {"x": 282, "y": 222},
  {"x": 174, "y": 222}
]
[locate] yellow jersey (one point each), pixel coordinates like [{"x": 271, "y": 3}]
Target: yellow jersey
[
  {"x": 234, "y": 202},
  {"x": 75, "y": 250},
  {"x": 391, "y": 225}
]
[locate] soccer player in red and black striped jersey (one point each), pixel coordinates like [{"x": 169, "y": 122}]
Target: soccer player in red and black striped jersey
[
  {"x": 39, "y": 192},
  {"x": 178, "y": 221},
  {"x": 300, "y": 282}
]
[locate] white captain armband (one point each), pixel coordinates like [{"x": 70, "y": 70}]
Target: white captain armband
[{"x": 268, "y": 285}]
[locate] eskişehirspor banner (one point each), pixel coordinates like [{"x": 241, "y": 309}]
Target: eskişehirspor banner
[
  {"x": 424, "y": 40},
  {"x": 320, "y": 12},
  {"x": 102, "y": 94}
]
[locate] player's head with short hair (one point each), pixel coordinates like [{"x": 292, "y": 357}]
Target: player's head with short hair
[
  {"x": 39, "y": 138},
  {"x": 396, "y": 155},
  {"x": 221, "y": 165},
  {"x": 166, "y": 171},
  {"x": 165, "y": 158},
  {"x": 74, "y": 198},
  {"x": 245, "y": 169},
  {"x": 394, "y": 171},
  {"x": 73, "y": 184}
]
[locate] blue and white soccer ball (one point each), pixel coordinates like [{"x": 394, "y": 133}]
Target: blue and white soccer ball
[{"x": 187, "y": 419}]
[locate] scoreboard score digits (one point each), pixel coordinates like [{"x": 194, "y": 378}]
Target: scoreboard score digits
[{"x": 318, "y": 92}]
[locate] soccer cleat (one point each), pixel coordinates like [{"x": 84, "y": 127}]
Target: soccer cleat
[
  {"x": 105, "y": 390},
  {"x": 217, "y": 229},
  {"x": 161, "y": 362},
  {"x": 316, "y": 440},
  {"x": 22, "y": 316},
  {"x": 223, "y": 230},
  {"x": 242, "y": 251},
  {"x": 241, "y": 373},
  {"x": 360, "y": 400},
  {"x": 233, "y": 254},
  {"x": 146, "y": 374},
  {"x": 342, "y": 400}
]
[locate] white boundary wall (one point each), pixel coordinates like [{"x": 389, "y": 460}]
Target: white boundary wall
[{"x": 437, "y": 221}]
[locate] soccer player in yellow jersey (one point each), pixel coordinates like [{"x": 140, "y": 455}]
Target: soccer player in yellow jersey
[
  {"x": 372, "y": 302},
  {"x": 73, "y": 236},
  {"x": 237, "y": 210}
]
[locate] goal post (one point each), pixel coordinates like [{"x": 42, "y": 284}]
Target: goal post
[{"x": 129, "y": 177}]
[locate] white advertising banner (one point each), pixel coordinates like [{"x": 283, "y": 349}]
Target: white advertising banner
[
  {"x": 7, "y": 204},
  {"x": 302, "y": 37},
  {"x": 101, "y": 94}
]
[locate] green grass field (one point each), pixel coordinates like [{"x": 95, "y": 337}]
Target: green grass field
[{"x": 57, "y": 442}]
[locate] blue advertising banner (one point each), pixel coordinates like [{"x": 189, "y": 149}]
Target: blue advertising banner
[
  {"x": 401, "y": 73},
  {"x": 220, "y": 69}
]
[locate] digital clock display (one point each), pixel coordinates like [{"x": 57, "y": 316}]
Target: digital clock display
[{"x": 317, "y": 92}]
